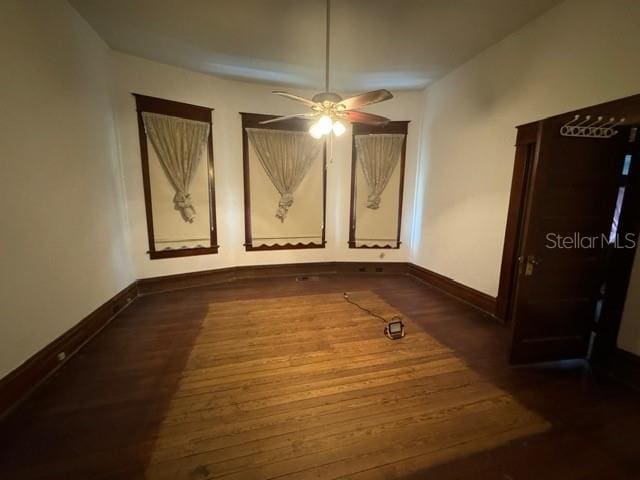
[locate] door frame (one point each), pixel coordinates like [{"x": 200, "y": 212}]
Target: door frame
[
  {"x": 621, "y": 264},
  {"x": 527, "y": 144}
]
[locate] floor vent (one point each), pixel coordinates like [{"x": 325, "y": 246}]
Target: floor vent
[{"x": 308, "y": 278}]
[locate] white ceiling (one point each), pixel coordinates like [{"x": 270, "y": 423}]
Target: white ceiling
[{"x": 397, "y": 44}]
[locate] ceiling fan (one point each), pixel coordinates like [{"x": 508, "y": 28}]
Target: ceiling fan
[{"x": 329, "y": 108}]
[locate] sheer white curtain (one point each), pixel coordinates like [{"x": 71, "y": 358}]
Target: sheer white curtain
[
  {"x": 286, "y": 158},
  {"x": 178, "y": 143},
  {"x": 378, "y": 155}
]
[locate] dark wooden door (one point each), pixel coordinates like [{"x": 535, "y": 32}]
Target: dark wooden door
[{"x": 571, "y": 202}]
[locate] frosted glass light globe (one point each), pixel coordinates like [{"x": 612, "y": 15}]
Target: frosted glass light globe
[
  {"x": 338, "y": 128},
  {"x": 315, "y": 131},
  {"x": 325, "y": 124}
]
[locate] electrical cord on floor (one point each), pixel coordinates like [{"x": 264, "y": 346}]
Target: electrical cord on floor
[
  {"x": 393, "y": 329},
  {"x": 373, "y": 314}
]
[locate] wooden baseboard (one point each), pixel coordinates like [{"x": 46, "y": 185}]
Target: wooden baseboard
[
  {"x": 624, "y": 367},
  {"x": 166, "y": 283},
  {"x": 480, "y": 300},
  {"x": 211, "y": 277},
  {"x": 18, "y": 384},
  {"x": 22, "y": 381}
]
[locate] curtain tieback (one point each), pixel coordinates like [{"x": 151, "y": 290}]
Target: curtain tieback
[
  {"x": 286, "y": 200},
  {"x": 373, "y": 201},
  {"x": 182, "y": 202}
]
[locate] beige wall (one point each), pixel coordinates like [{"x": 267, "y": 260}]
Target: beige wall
[
  {"x": 63, "y": 242},
  {"x": 227, "y": 98},
  {"x": 577, "y": 54}
]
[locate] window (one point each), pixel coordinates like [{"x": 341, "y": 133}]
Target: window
[
  {"x": 377, "y": 181},
  {"x": 284, "y": 184},
  {"x": 177, "y": 168}
]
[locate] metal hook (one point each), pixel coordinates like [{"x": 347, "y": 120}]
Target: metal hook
[
  {"x": 572, "y": 121},
  {"x": 608, "y": 123},
  {"x": 620, "y": 122},
  {"x": 594, "y": 123},
  {"x": 586, "y": 119}
]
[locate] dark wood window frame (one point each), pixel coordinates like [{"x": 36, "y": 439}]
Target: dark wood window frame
[
  {"x": 252, "y": 120},
  {"x": 362, "y": 129},
  {"x": 191, "y": 112}
]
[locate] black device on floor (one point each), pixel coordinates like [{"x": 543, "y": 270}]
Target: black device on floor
[{"x": 394, "y": 329}]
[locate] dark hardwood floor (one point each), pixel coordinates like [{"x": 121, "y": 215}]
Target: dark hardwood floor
[{"x": 282, "y": 379}]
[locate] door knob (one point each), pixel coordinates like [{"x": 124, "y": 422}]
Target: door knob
[{"x": 532, "y": 262}]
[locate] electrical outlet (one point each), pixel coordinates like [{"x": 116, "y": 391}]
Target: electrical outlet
[{"x": 61, "y": 356}]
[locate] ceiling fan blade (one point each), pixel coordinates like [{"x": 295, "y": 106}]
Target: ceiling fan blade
[
  {"x": 368, "y": 98},
  {"x": 287, "y": 117},
  {"x": 306, "y": 101},
  {"x": 368, "y": 118}
]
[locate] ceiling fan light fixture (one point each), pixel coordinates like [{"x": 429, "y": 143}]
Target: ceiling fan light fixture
[
  {"x": 330, "y": 107},
  {"x": 325, "y": 125}
]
